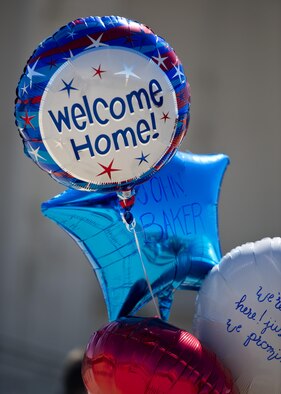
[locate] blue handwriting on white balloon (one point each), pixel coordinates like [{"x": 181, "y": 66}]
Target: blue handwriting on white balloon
[
  {"x": 265, "y": 322},
  {"x": 269, "y": 297},
  {"x": 245, "y": 310},
  {"x": 230, "y": 327},
  {"x": 264, "y": 345}
]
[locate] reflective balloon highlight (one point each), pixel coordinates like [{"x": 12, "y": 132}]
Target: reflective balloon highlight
[
  {"x": 177, "y": 228},
  {"x": 137, "y": 355}
]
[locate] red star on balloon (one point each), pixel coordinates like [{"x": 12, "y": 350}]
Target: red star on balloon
[
  {"x": 108, "y": 169},
  {"x": 52, "y": 63},
  {"x": 27, "y": 119},
  {"x": 130, "y": 39},
  {"x": 98, "y": 71},
  {"x": 165, "y": 117}
]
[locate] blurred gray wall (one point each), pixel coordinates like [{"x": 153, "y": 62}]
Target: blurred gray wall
[{"x": 50, "y": 301}]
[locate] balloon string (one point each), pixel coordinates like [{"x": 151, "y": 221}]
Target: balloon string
[{"x": 131, "y": 227}]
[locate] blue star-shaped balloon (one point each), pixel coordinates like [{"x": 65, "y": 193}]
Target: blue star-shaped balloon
[{"x": 177, "y": 228}]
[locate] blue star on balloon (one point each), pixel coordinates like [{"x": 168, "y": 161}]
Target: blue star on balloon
[
  {"x": 176, "y": 225},
  {"x": 142, "y": 158},
  {"x": 68, "y": 87}
]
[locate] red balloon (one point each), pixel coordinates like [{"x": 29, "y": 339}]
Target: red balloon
[{"x": 149, "y": 356}]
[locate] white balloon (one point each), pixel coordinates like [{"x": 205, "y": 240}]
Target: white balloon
[{"x": 238, "y": 315}]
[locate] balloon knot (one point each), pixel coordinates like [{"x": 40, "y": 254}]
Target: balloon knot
[
  {"x": 127, "y": 203},
  {"x": 129, "y": 218}
]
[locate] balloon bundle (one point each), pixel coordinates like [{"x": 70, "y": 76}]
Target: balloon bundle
[{"x": 103, "y": 106}]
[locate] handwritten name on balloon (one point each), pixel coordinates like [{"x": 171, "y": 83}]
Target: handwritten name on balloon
[
  {"x": 185, "y": 217},
  {"x": 101, "y": 112},
  {"x": 265, "y": 328}
]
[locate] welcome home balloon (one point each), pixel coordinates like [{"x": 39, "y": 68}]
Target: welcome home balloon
[{"x": 102, "y": 104}]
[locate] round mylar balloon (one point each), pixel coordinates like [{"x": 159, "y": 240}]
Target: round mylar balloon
[
  {"x": 147, "y": 355},
  {"x": 102, "y": 104},
  {"x": 239, "y": 315}
]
